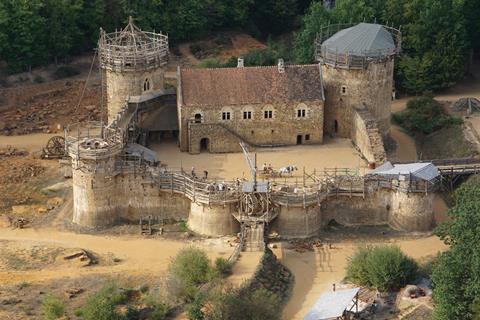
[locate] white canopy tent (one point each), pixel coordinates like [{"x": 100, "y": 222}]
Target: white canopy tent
[{"x": 333, "y": 305}]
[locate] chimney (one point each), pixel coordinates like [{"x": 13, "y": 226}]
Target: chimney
[
  {"x": 240, "y": 63},
  {"x": 281, "y": 66}
]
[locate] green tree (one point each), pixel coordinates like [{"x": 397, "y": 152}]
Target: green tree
[
  {"x": 316, "y": 17},
  {"x": 347, "y": 11},
  {"x": 435, "y": 45},
  {"x": 24, "y": 33},
  {"x": 62, "y": 25},
  {"x": 424, "y": 115},
  {"x": 383, "y": 267},
  {"x": 456, "y": 275}
]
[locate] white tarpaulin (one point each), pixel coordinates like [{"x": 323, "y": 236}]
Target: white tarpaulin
[
  {"x": 418, "y": 171},
  {"x": 331, "y": 305}
]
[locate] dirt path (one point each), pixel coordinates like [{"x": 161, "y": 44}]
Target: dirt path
[
  {"x": 31, "y": 142},
  {"x": 315, "y": 272},
  {"x": 137, "y": 255},
  {"x": 184, "y": 49},
  {"x": 405, "y": 149},
  {"x": 244, "y": 268}
]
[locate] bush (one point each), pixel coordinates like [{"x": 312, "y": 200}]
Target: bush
[
  {"x": 261, "y": 57},
  {"x": 101, "y": 305},
  {"x": 385, "y": 268},
  {"x": 210, "y": 63},
  {"x": 52, "y": 307},
  {"x": 189, "y": 269},
  {"x": 65, "y": 72},
  {"x": 159, "y": 309},
  {"x": 424, "y": 115},
  {"x": 232, "y": 304},
  {"x": 223, "y": 266}
]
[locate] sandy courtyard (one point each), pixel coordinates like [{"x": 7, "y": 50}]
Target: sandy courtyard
[{"x": 333, "y": 153}]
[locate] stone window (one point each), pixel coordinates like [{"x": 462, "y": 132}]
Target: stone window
[
  {"x": 226, "y": 115},
  {"x": 198, "y": 118},
  {"x": 146, "y": 85},
  {"x": 307, "y": 137},
  {"x": 344, "y": 90},
  {"x": 247, "y": 115},
  {"x": 268, "y": 114},
  {"x": 301, "y": 113}
]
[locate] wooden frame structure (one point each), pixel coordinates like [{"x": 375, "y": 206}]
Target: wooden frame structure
[{"x": 132, "y": 49}]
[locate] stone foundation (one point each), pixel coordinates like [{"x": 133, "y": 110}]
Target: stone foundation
[{"x": 212, "y": 220}]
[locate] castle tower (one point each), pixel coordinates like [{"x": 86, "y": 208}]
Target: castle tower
[
  {"x": 133, "y": 62},
  {"x": 93, "y": 155},
  {"x": 357, "y": 65}
]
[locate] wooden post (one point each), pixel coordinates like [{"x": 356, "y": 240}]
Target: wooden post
[{"x": 171, "y": 182}]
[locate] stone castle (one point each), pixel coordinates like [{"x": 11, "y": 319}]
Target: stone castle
[{"x": 347, "y": 94}]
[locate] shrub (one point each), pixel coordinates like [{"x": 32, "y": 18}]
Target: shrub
[
  {"x": 223, "y": 266},
  {"x": 210, "y": 63},
  {"x": 194, "y": 309},
  {"x": 159, "y": 309},
  {"x": 233, "y": 304},
  {"x": 424, "y": 115},
  {"x": 189, "y": 269},
  {"x": 261, "y": 57},
  {"x": 191, "y": 266},
  {"x": 385, "y": 268},
  {"x": 52, "y": 307},
  {"x": 101, "y": 305},
  {"x": 65, "y": 72}
]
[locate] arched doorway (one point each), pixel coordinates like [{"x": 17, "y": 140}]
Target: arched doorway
[
  {"x": 198, "y": 118},
  {"x": 205, "y": 145}
]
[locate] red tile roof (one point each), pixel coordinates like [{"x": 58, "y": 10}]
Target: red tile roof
[{"x": 250, "y": 85}]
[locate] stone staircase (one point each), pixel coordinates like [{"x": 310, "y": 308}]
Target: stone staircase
[{"x": 254, "y": 236}]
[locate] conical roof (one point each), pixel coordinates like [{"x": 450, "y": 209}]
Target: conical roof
[{"x": 364, "y": 39}]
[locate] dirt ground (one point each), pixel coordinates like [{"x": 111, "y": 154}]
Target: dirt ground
[
  {"x": 333, "y": 153},
  {"x": 315, "y": 272}
]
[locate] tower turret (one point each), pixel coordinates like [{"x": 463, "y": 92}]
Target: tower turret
[
  {"x": 357, "y": 64},
  {"x": 133, "y": 62}
]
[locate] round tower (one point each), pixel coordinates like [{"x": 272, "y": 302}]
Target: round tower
[
  {"x": 357, "y": 66},
  {"x": 133, "y": 62},
  {"x": 93, "y": 151}
]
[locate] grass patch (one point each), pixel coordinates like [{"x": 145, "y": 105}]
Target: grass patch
[
  {"x": 445, "y": 143},
  {"x": 52, "y": 307},
  {"x": 101, "y": 305}
]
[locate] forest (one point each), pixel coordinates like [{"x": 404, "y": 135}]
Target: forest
[{"x": 439, "y": 37}]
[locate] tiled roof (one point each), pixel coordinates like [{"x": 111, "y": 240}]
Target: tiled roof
[{"x": 250, "y": 85}]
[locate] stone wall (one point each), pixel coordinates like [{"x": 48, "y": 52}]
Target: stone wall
[
  {"x": 213, "y": 220},
  {"x": 220, "y": 139},
  {"x": 369, "y": 88},
  {"x": 102, "y": 199},
  {"x": 282, "y": 129},
  {"x": 120, "y": 85},
  {"x": 297, "y": 222},
  {"x": 367, "y": 138}
]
